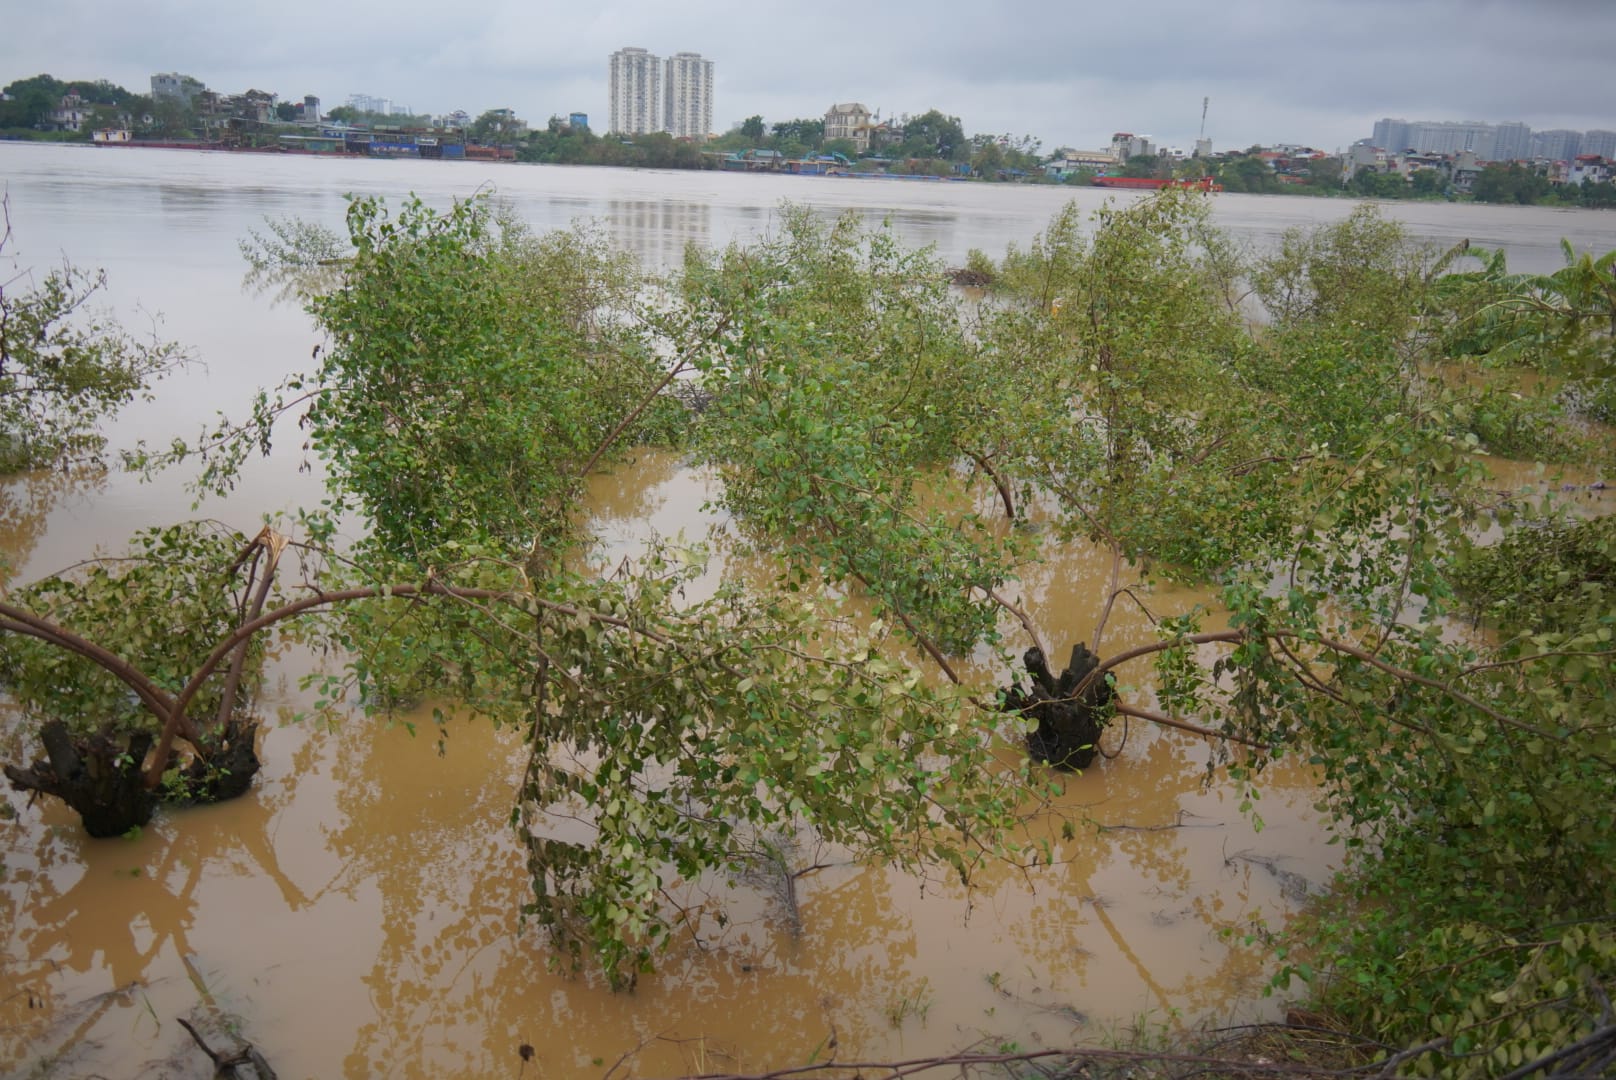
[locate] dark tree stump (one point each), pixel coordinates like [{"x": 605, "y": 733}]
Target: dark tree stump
[
  {"x": 1069, "y": 723},
  {"x": 102, "y": 780},
  {"x": 98, "y": 778},
  {"x": 229, "y": 768}
]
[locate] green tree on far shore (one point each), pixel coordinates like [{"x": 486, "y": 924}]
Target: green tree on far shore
[
  {"x": 1146, "y": 165},
  {"x": 1379, "y": 185},
  {"x": 1509, "y": 183},
  {"x": 1427, "y": 182},
  {"x": 933, "y": 135},
  {"x": 30, "y": 102}
]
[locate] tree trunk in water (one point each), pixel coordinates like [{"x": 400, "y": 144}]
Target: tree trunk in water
[
  {"x": 229, "y": 768},
  {"x": 104, "y": 782},
  {"x": 1069, "y": 722},
  {"x": 98, "y": 778}
]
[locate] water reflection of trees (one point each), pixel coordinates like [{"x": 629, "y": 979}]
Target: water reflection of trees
[
  {"x": 456, "y": 989},
  {"x": 1131, "y": 907},
  {"x": 88, "y": 915},
  {"x": 432, "y": 846},
  {"x": 1112, "y": 894},
  {"x": 26, "y": 502},
  {"x": 633, "y": 496},
  {"x": 422, "y": 848}
]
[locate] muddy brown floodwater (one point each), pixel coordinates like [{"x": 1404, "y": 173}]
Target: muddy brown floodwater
[{"x": 357, "y": 913}]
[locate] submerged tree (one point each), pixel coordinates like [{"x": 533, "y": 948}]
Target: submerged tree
[
  {"x": 64, "y": 368},
  {"x": 685, "y": 734},
  {"x": 111, "y": 660},
  {"x": 1321, "y": 471},
  {"x": 902, "y": 458}
]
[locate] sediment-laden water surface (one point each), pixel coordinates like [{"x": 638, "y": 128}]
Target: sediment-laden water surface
[{"x": 357, "y": 914}]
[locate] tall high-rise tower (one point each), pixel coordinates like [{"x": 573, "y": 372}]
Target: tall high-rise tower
[
  {"x": 688, "y": 97},
  {"x": 636, "y": 92},
  {"x": 1559, "y": 144},
  {"x": 1599, "y": 141},
  {"x": 1513, "y": 141},
  {"x": 1391, "y": 135}
]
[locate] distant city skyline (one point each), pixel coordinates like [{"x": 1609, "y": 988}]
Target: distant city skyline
[
  {"x": 1506, "y": 141},
  {"x": 382, "y": 105},
  {"x": 675, "y": 97},
  {"x": 1319, "y": 72}
]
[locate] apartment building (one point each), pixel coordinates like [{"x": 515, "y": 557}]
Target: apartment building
[
  {"x": 687, "y": 96},
  {"x": 1558, "y": 144},
  {"x": 1509, "y": 141},
  {"x": 636, "y": 92},
  {"x": 1125, "y": 144},
  {"x": 174, "y": 86},
  {"x": 1599, "y": 142}
]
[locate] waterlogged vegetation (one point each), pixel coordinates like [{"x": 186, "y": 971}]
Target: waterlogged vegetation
[
  {"x": 63, "y": 365},
  {"x": 1439, "y": 650}
]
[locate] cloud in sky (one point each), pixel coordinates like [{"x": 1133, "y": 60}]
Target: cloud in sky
[{"x": 1308, "y": 71}]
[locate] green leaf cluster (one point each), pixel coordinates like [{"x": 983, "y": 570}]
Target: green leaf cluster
[
  {"x": 708, "y": 729},
  {"x": 1324, "y": 469},
  {"x": 1137, "y": 411},
  {"x": 65, "y": 369},
  {"x": 844, "y": 383},
  {"x": 1561, "y": 325},
  {"x": 163, "y": 606},
  {"x": 472, "y": 370}
]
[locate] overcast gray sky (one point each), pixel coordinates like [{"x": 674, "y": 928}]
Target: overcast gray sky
[{"x": 1069, "y": 72}]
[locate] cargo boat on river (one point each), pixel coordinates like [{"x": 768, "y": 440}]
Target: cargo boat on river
[{"x": 1151, "y": 183}]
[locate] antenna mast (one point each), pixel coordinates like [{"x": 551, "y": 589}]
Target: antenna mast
[{"x": 1204, "y": 103}]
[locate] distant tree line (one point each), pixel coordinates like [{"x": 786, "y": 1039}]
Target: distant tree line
[
  {"x": 1501, "y": 182},
  {"x": 1496, "y": 183},
  {"x": 561, "y": 143},
  {"x": 1526, "y": 186},
  {"x": 931, "y": 144},
  {"x": 1248, "y": 172},
  {"x": 29, "y": 103}
]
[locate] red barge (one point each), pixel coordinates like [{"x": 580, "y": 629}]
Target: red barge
[{"x": 1150, "y": 183}]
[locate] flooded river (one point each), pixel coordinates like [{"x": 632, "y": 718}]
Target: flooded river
[{"x": 357, "y": 913}]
